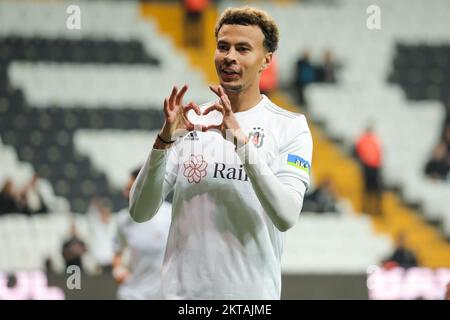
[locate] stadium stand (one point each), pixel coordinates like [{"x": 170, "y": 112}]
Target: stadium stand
[
  {"x": 41, "y": 238},
  {"x": 21, "y": 172},
  {"x": 48, "y": 73},
  {"x": 364, "y": 94},
  {"x": 423, "y": 72},
  {"x": 80, "y": 108},
  {"x": 333, "y": 244},
  {"x": 103, "y": 145}
]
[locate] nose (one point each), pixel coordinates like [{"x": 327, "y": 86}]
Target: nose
[{"x": 230, "y": 56}]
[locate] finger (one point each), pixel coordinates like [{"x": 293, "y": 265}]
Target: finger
[
  {"x": 192, "y": 106},
  {"x": 223, "y": 97},
  {"x": 172, "y": 97},
  {"x": 180, "y": 95},
  {"x": 216, "y": 107},
  {"x": 215, "y": 89},
  {"x": 187, "y": 123},
  {"x": 191, "y": 127},
  {"x": 166, "y": 107},
  {"x": 226, "y": 102},
  {"x": 214, "y": 126},
  {"x": 221, "y": 90}
]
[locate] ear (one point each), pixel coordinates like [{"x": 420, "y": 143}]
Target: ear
[{"x": 267, "y": 60}]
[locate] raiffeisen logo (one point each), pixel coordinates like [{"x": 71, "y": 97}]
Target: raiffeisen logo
[
  {"x": 195, "y": 169},
  {"x": 230, "y": 173}
]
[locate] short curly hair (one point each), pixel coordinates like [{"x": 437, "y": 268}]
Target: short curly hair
[{"x": 248, "y": 16}]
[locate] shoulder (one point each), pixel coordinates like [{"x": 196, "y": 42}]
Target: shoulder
[
  {"x": 291, "y": 122},
  {"x": 278, "y": 111}
]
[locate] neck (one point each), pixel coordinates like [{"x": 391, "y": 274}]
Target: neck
[{"x": 245, "y": 100}]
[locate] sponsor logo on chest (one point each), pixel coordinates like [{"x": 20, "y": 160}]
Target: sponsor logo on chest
[{"x": 195, "y": 169}]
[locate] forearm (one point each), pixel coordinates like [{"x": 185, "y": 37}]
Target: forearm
[
  {"x": 117, "y": 260},
  {"x": 147, "y": 192},
  {"x": 282, "y": 201}
]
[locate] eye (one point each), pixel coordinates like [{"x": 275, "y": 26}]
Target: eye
[
  {"x": 243, "y": 49},
  {"x": 222, "y": 47}
]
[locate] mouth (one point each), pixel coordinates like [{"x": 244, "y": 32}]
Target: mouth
[{"x": 229, "y": 74}]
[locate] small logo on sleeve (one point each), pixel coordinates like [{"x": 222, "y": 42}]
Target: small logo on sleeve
[{"x": 298, "y": 162}]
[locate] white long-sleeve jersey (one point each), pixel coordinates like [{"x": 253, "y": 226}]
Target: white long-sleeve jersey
[{"x": 230, "y": 207}]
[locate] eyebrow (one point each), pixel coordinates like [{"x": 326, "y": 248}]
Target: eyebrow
[{"x": 243, "y": 43}]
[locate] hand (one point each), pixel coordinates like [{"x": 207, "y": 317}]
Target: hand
[
  {"x": 175, "y": 114},
  {"x": 229, "y": 123},
  {"x": 120, "y": 274}
]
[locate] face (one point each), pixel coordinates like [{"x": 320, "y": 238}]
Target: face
[
  {"x": 440, "y": 151},
  {"x": 447, "y": 134},
  {"x": 240, "y": 57},
  {"x": 8, "y": 187}
]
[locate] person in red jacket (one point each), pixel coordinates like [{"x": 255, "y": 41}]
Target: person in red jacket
[
  {"x": 269, "y": 78},
  {"x": 194, "y": 21},
  {"x": 447, "y": 291},
  {"x": 369, "y": 152}
]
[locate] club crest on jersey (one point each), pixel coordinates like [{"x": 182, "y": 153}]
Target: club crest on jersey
[
  {"x": 192, "y": 136},
  {"x": 256, "y": 136},
  {"x": 298, "y": 162}
]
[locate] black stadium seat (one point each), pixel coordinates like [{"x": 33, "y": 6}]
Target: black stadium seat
[
  {"x": 64, "y": 50},
  {"x": 423, "y": 71},
  {"x": 44, "y": 136}
]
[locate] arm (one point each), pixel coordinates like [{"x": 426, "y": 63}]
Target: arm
[
  {"x": 157, "y": 176},
  {"x": 120, "y": 272},
  {"x": 152, "y": 185},
  {"x": 280, "y": 191}
]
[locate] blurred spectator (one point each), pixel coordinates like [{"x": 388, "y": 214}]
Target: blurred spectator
[
  {"x": 447, "y": 292},
  {"x": 140, "y": 277},
  {"x": 48, "y": 265},
  {"x": 194, "y": 10},
  {"x": 305, "y": 73},
  {"x": 269, "y": 78},
  {"x": 102, "y": 226},
  {"x": 438, "y": 167},
  {"x": 369, "y": 153},
  {"x": 447, "y": 136},
  {"x": 326, "y": 71},
  {"x": 322, "y": 199},
  {"x": 9, "y": 202},
  {"x": 447, "y": 116},
  {"x": 73, "y": 249},
  {"x": 36, "y": 197},
  {"x": 402, "y": 256},
  {"x": 33, "y": 198}
]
